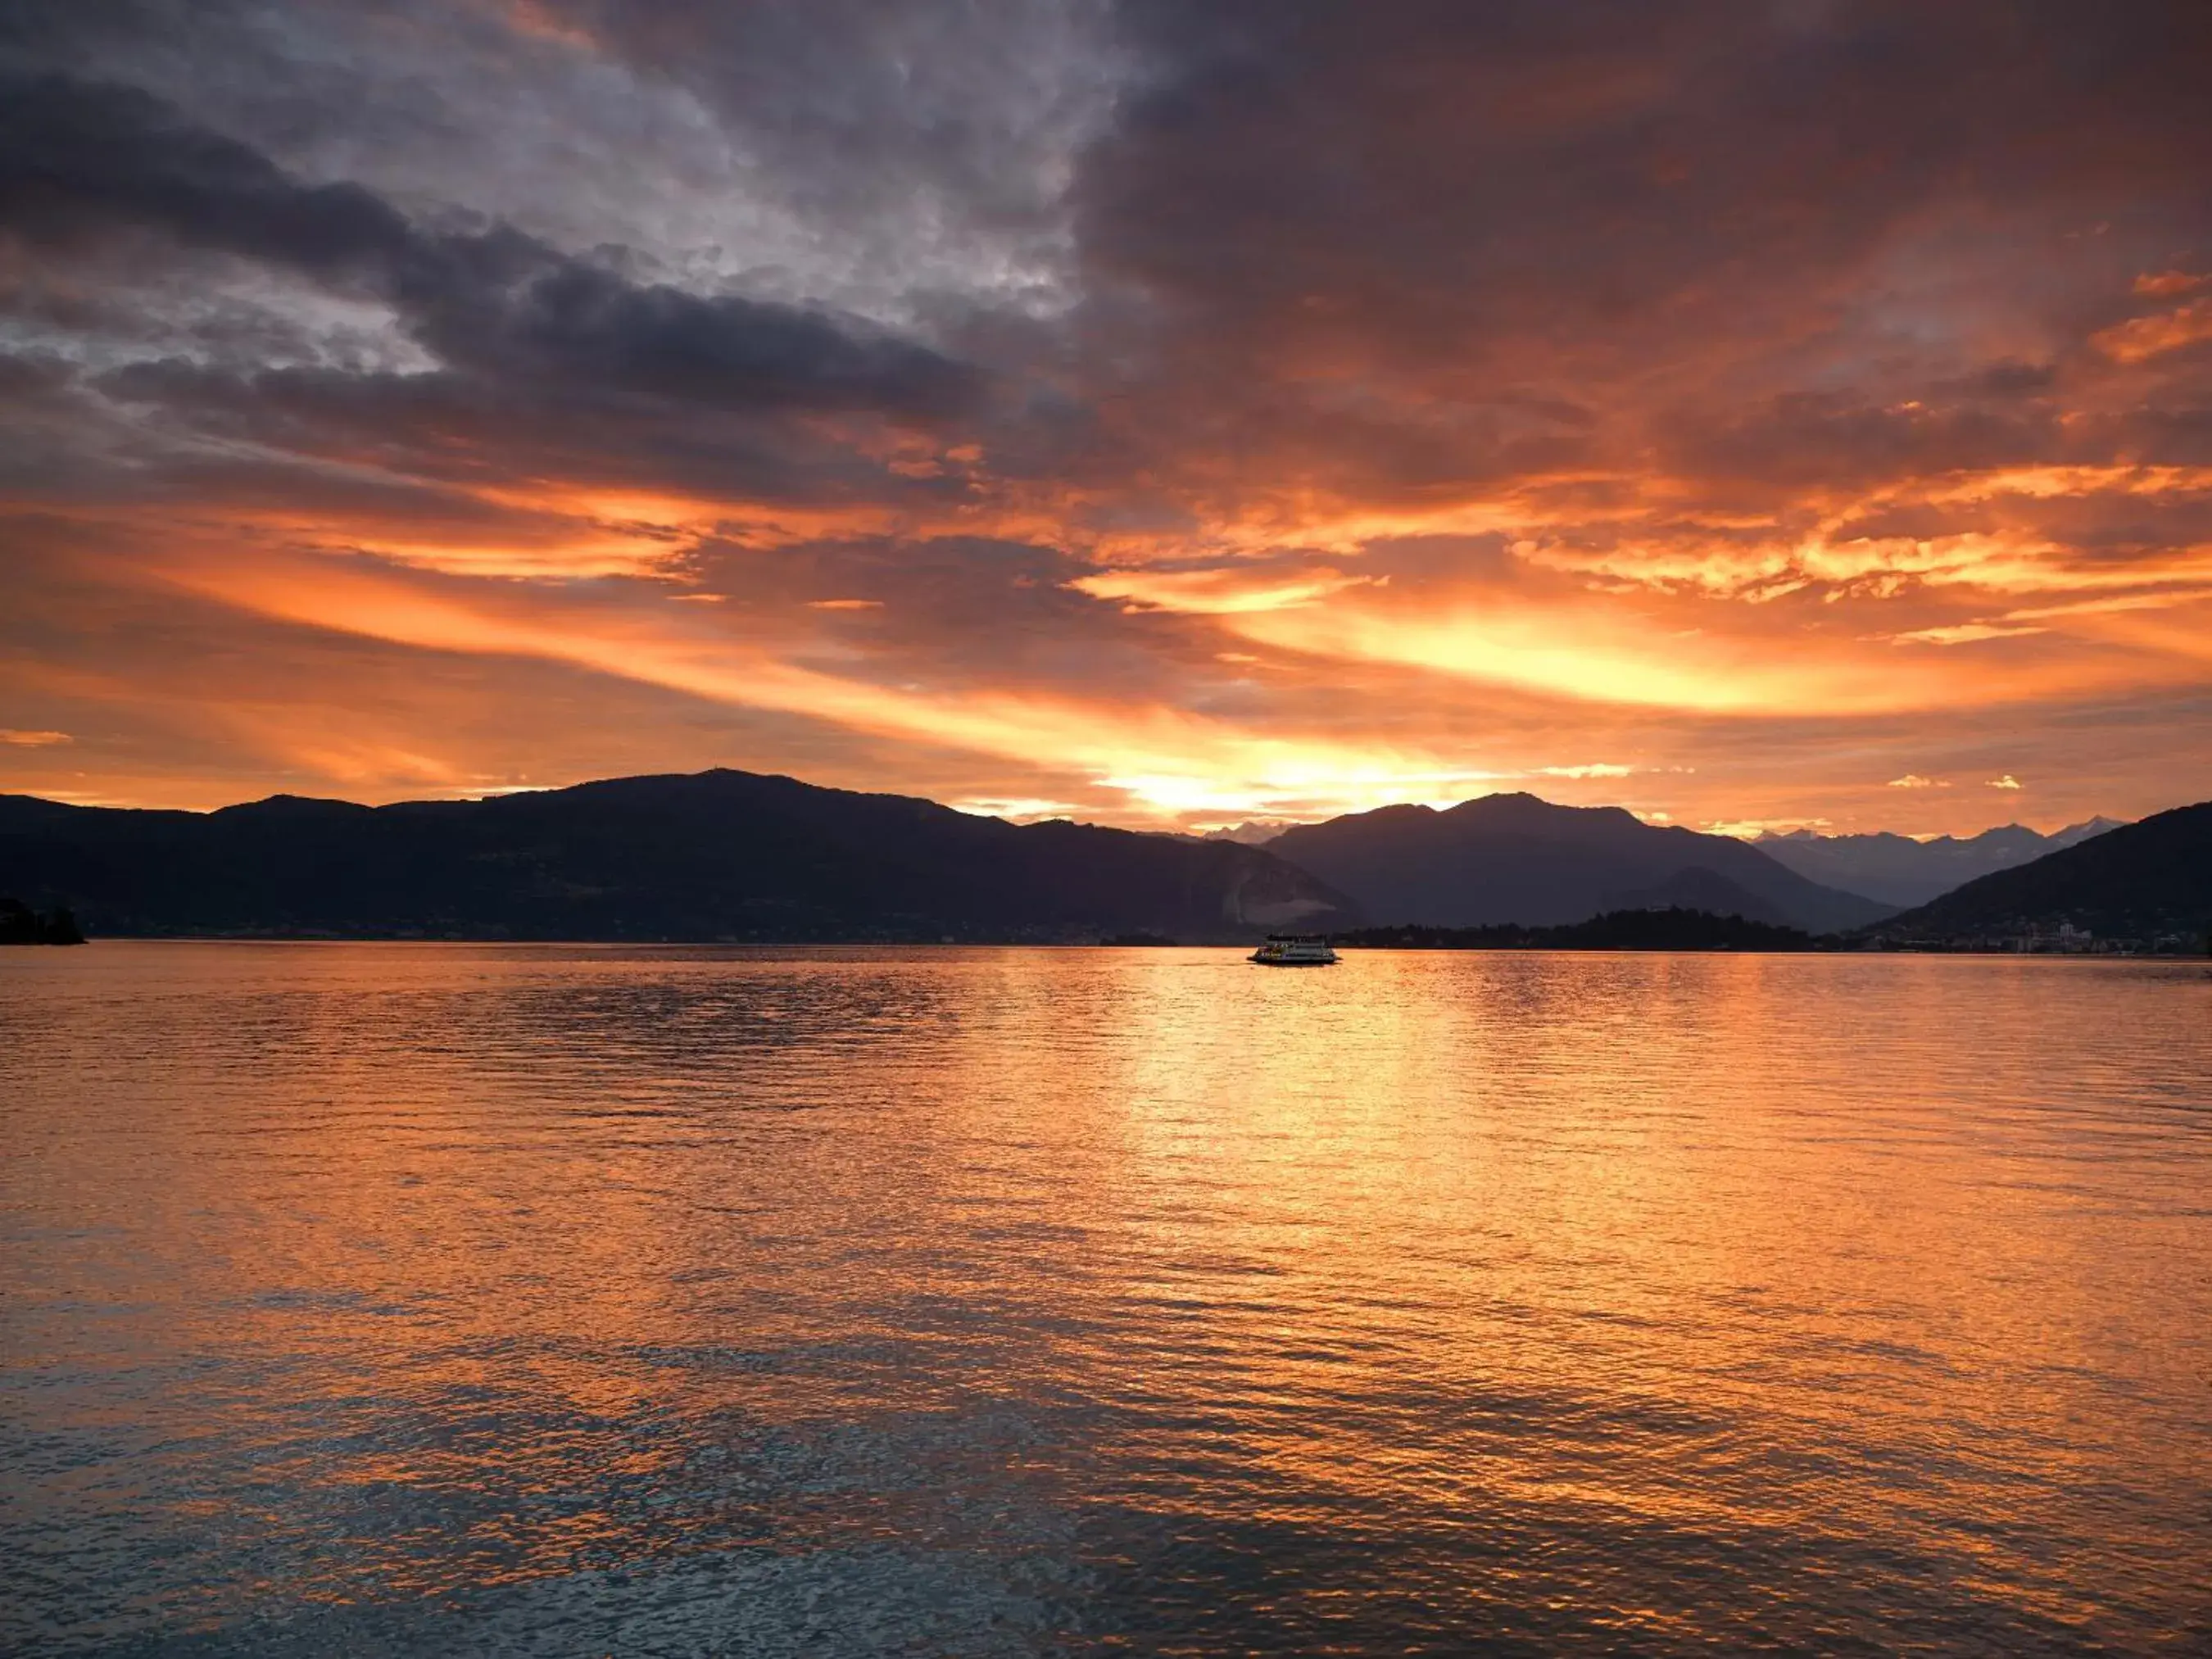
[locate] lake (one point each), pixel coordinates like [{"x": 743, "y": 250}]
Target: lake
[{"x": 570, "y": 1300}]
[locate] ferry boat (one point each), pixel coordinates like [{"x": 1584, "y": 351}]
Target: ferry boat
[{"x": 1295, "y": 950}]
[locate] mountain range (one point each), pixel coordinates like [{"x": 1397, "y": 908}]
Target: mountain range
[
  {"x": 1513, "y": 858},
  {"x": 726, "y": 855},
  {"x": 1900, "y": 870},
  {"x": 2139, "y": 881},
  {"x": 716, "y": 855}
]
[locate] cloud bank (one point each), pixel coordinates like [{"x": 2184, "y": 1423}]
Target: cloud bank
[{"x": 1164, "y": 414}]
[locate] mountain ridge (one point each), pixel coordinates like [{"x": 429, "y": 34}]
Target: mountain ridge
[
  {"x": 708, "y": 856},
  {"x": 2142, "y": 881},
  {"x": 1901, "y": 871},
  {"x": 730, "y": 855},
  {"x": 1513, "y": 858}
]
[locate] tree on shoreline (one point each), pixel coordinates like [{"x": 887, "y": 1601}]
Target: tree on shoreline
[{"x": 21, "y": 925}]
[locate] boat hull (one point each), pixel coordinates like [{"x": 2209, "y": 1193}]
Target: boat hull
[{"x": 1294, "y": 952}]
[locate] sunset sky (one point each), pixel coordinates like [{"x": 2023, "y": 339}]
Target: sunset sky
[{"x": 1772, "y": 412}]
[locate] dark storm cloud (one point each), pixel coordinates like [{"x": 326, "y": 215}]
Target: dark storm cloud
[
  {"x": 859, "y": 103},
  {"x": 1430, "y": 204},
  {"x": 954, "y": 610},
  {"x": 1810, "y": 439},
  {"x": 1615, "y": 149},
  {"x": 891, "y": 160},
  {"x": 2176, "y": 435},
  {"x": 77, "y": 160},
  {"x": 481, "y": 430},
  {"x": 1376, "y": 250}
]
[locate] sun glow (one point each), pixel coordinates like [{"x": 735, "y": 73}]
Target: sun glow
[
  {"x": 1166, "y": 761},
  {"x": 1588, "y": 657}
]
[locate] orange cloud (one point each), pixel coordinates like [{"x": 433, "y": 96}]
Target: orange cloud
[
  {"x": 1220, "y": 593},
  {"x": 2165, "y": 284},
  {"x": 1584, "y": 653},
  {"x": 2149, "y": 337},
  {"x": 1962, "y": 634}
]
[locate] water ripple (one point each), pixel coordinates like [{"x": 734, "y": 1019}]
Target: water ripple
[{"x": 392, "y": 1299}]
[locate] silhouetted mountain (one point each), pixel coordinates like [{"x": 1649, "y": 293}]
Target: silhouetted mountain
[
  {"x": 2138, "y": 881},
  {"x": 1670, "y": 929},
  {"x": 1516, "y": 859},
  {"x": 1699, "y": 890},
  {"x": 1898, "y": 870},
  {"x": 1256, "y": 832},
  {"x": 717, "y": 855}
]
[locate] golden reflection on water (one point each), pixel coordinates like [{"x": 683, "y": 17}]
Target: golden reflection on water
[{"x": 978, "y": 1301}]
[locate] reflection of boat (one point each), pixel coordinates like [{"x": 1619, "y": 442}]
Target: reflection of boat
[{"x": 1295, "y": 950}]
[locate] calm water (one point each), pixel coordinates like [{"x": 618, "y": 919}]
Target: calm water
[{"x": 394, "y": 1299}]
